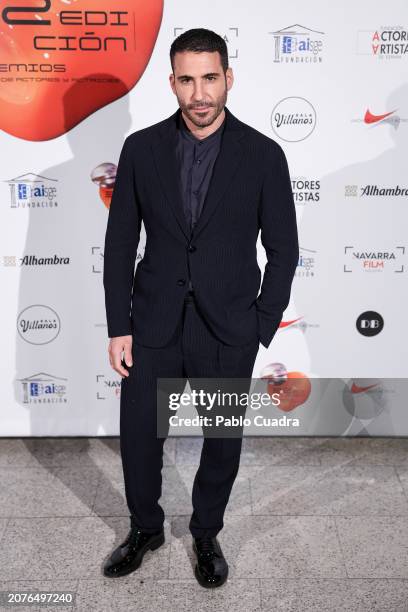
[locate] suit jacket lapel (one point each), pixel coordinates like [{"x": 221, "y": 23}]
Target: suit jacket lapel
[
  {"x": 226, "y": 164},
  {"x": 164, "y": 153}
]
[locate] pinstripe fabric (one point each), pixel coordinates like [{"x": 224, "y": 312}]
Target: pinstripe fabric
[
  {"x": 194, "y": 353},
  {"x": 250, "y": 191}
]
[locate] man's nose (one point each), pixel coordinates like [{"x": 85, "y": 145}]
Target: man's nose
[{"x": 198, "y": 92}]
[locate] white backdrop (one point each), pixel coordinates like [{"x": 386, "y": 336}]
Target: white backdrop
[{"x": 348, "y": 162}]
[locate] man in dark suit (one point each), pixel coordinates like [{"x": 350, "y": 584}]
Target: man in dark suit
[{"x": 204, "y": 183}]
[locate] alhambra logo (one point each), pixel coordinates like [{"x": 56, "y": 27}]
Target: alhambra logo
[
  {"x": 365, "y": 191},
  {"x": 32, "y": 260}
]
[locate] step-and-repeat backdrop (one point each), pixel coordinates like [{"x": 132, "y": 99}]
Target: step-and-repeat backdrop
[{"x": 327, "y": 81}]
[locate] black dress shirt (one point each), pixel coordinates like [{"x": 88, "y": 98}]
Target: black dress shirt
[{"x": 196, "y": 160}]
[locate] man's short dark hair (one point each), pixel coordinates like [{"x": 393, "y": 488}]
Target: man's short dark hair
[{"x": 200, "y": 39}]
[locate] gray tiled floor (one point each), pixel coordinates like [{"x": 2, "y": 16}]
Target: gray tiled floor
[{"x": 316, "y": 524}]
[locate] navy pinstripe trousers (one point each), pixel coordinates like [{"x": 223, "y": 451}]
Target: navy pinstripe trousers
[{"x": 193, "y": 351}]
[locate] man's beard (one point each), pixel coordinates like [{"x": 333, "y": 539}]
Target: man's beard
[{"x": 216, "y": 107}]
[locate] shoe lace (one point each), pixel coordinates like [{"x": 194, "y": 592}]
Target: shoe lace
[{"x": 206, "y": 547}]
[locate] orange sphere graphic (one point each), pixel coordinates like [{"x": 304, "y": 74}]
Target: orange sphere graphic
[
  {"x": 293, "y": 387},
  {"x": 62, "y": 60}
]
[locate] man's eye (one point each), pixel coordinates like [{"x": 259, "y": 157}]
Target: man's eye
[{"x": 211, "y": 78}]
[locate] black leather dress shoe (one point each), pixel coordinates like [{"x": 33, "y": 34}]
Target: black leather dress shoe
[
  {"x": 127, "y": 557},
  {"x": 211, "y": 569}
]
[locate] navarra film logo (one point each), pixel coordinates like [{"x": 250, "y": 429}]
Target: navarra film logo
[
  {"x": 293, "y": 119},
  {"x": 38, "y": 324},
  {"x": 370, "y": 260}
]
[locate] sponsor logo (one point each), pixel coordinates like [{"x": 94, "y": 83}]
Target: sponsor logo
[
  {"x": 107, "y": 387},
  {"x": 38, "y": 324},
  {"x": 374, "y": 261},
  {"x": 374, "y": 120},
  {"x": 293, "y": 119},
  {"x": 104, "y": 176},
  {"x": 298, "y": 323},
  {"x": 359, "y": 389},
  {"x": 369, "y": 323},
  {"x": 97, "y": 258},
  {"x": 43, "y": 388},
  {"x": 297, "y": 44},
  {"x": 364, "y": 191},
  {"x": 366, "y": 398},
  {"x": 34, "y": 260},
  {"x": 305, "y": 191},
  {"x": 386, "y": 42},
  {"x": 230, "y": 35},
  {"x": 306, "y": 263},
  {"x": 33, "y": 191}
]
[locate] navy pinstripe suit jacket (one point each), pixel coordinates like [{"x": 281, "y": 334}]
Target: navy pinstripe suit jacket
[{"x": 249, "y": 192}]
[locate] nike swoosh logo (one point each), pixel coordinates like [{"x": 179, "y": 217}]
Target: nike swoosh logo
[
  {"x": 370, "y": 118},
  {"x": 287, "y": 323},
  {"x": 357, "y": 389}
]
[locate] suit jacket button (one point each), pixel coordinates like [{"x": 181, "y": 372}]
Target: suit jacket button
[
  {"x": 191, "y": 248},
  {"x": 181, "y": 282}
]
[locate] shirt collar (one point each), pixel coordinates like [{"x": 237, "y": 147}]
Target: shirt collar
[{"x": 188, "y": 134}]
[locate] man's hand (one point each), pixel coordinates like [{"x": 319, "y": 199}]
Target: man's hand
[{"x": 117, "y": 346}]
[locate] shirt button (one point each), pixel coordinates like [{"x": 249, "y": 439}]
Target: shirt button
[
  {"x": 191, "y": 248},
  {"x": 181, "y": 282},
  {"x": 195, "y": 192},
  {"x": 198, "y": 161}
]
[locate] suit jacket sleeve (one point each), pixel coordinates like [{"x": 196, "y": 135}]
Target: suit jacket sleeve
[
  {"x": 121, "y": 241},
  {"x": 280, "y": 239}
]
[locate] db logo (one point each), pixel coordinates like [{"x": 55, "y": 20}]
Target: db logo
[{"x": 370, "y": 323}]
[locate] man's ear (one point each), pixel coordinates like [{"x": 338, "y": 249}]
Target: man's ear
[{"x": 229, "y": 75}]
